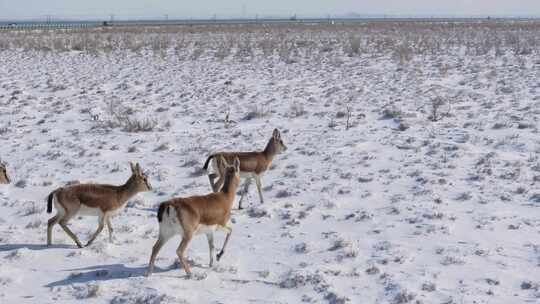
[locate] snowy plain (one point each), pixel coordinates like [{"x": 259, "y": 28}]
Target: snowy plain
[{"x": 377, "y": 200}]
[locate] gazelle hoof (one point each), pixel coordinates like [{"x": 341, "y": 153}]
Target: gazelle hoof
[{"x": 218, "y": 256}]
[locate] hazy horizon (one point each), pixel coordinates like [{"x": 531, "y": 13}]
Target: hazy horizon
[{"x": 125, "y": 9}]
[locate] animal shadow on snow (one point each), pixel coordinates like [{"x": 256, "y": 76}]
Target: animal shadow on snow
[
  {"x": 9, "y": 247},
  {"x": 103, "y": 273}
]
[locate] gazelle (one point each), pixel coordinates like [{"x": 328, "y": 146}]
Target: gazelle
[
  {"x": 94, "y": 200},
  {"x": 252, "y": 165},
  {"x": 196, "y": 215},
  {"x": 4, "y": 178}
]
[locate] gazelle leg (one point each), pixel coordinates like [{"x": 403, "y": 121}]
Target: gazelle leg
[
  {"x": 182, "y": 250},
  {"x": 50, "y": 224},
  {"x": 155, "y": 250},
  {"x": 219, "y": 183},
  {"x": 229, "y": 231},
  {"x": 110, "y": 228},
  {"x": 101, "y": 224},
  {"x": 244, "y": 192},
  {"x": 259, "y": 187},
  {"x": 210, "y": 237},
  {"x": 63, "y": 224},
  {"x": 211, "y": 178}
]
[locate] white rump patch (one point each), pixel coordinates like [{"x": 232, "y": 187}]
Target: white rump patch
[
  {"x": 170, "y": 226},
  {"x": 60, "y": 211}
]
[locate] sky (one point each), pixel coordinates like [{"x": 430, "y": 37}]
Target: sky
[{"x": 249, "y": 8}]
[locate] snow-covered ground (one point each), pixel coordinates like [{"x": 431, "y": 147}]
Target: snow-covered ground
[{"x": 397, "y": 207}]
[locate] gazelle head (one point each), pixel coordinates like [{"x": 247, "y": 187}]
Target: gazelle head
[
  {"x": 4, "y": 178},
  {"x": 277, "y": 142},
  {"x": 139, "y": 178}
]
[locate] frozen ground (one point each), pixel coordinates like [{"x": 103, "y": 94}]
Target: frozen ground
[{"x": 400, "y": 207}]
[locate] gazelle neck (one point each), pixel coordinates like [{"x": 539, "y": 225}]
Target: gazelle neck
[
  {"x": 127, "y": 190},
  {"x": 270, "y": 151},
  {"x": 229, "y": 185}
]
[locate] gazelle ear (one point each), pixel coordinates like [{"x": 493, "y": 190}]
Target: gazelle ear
[
  {"x": 138, "y": 169},
  {"x": 236, "y": 164},
  {"x": 133, "y": 169},
  {"x": 276, "y": 134}
]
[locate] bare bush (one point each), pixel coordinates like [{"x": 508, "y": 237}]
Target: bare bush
[
  {"x": 401, "y": 41},
  {"x": 297, "y": 109},
  {"x": 130, "y": 124},
  {"x": 256, "y": 112},
  {"x": 403, "y": 53},
  {"x": 353, "y": 46},
  {"x": 223, "y": 50},
  {"x": 435, "y": 112},
  {"x": 267, "y": 45},
  {"x": 244, "y": 49},
  {"x": 125, "y": 119}
]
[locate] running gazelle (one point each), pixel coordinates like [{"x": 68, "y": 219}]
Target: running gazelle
[
  {"x": 252, "y": 165},
  {"x": 4, "y": 177},
  {"x": 94, "y": 200},
  {"x": 196, "y": 215}
]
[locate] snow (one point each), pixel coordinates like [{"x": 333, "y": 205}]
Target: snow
[{"x": 397, "y": 208}]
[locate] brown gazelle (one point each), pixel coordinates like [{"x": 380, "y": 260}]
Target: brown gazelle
[
  {"x": 196, "y": 215},
  {"x": 93, "y": 200},
  {"x": 252, "y": 165},
  {"x": 4, "y": 177}
]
